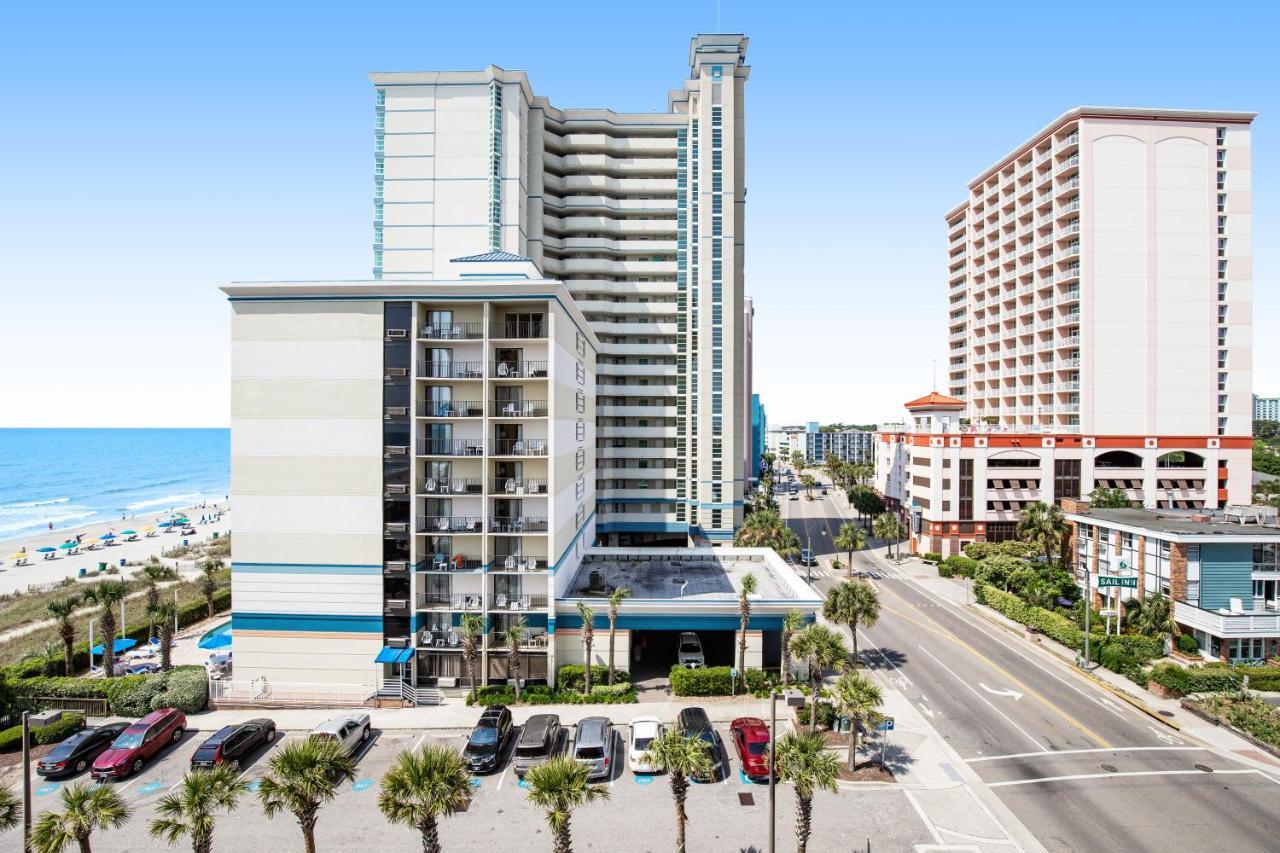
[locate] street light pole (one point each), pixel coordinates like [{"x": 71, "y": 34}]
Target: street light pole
[
  {"x": 26, "y": 782},
  {"x": 91, "y": 621},
  {"x": 773, "y": 737},
  {"x": 808, "y": 564}
]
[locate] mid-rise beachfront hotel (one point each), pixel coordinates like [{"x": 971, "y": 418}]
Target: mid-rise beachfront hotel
[
  {"x": 540, "y": 396},
  {"x": 1100, "y": 295}
]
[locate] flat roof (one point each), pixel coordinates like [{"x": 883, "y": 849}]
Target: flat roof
[
  {"x": 1178, "y": 524},
  {"x": 693, "y": 575}
]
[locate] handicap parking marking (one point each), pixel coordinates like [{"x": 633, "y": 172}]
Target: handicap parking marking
[
  {"x": 47, "y": 788},
  {"x": 362, "y": 785},
  {"x": 643, "y": 778},
  {"x": 151, "y": 787},
  {"x": 743, "y": 778},
  {"x": 475, "y": 783},
  {"x": 254, "y": 785}
]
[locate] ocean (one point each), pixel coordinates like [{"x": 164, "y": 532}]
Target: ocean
[{"x": 72, "y": 477}]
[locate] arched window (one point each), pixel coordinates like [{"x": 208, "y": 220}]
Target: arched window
[
  {"x": 1118, "y": 459},
  {"x": 1180, "y": 459}
]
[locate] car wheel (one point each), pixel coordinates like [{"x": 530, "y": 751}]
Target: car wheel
[
  {"x": 364, "y": 735},
  {"x": 137, "y": 766},
  {"x": 271, "y": 735},
  {"x": 81, "y": 765},
  {"x": 235, "y": 764},
  {"x": 177, "y": 735}
]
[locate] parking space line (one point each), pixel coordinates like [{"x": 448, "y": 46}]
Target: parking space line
[{"x": 419, "y": 742}]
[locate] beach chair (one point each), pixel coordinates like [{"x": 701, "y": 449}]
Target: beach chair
[
  {"x": 509, "y": 410},
  {"x": 502, "y": 369},
  {"x": 501, "y": 601},
  {"x": 458, "y": 486},
  {"x": 509, "y": 563},
  {"x": 430, "y": 485}
]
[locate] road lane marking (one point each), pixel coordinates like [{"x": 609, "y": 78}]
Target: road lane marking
[
  {"x": 970, "y": 687},
  {"x": 915, "y": 804},
  {"x": 1058, "y": 752},
  {"x": 926, "y": 709},
  {"x": 1015, "y": 695},
  {"x": 1081, "y": 776},
  {"x": 934, "y": 627}
]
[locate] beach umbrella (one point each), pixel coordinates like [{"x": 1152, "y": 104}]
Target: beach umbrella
[
  {"x": 165, "y": 524},
  {"x": 148, "y": 529},
  {"x": 67, "y": 546},
  {"x": 107, "y": 537},
  {"x": 21, "y": 555},
  {"x": 45, "y": 549},
  {"x": 128, "y": 533},
  {"x": 216, "y": 641},
  {"x": 120, "y": 645}
]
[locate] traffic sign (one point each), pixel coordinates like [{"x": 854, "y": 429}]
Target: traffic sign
[
  {"x": 886, "y": 725},
  {"x": 1114, "y": 580}
]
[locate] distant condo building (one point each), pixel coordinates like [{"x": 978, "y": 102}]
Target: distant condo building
[
  {"x": 1100, "y": 283},
  {"x": 1266, "y": 408}
]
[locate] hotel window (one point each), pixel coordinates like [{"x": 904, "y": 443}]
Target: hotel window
[
  {"x": 1222, "y": 202},
  {"x": 581, "y": 370},
  {"x": 1222, "y": 291},
  {"x": 579, "y": 488},
  {"x": 580, "y": 459},
  {"x": 1222, "y": 225},
  {"x": 1222, "y": 246},
  {"x": 1222, "y": 136},
  {"x": 580, "y": 429},
  {"x": 1222, "y": 180},
  {"x": 581, "y": 401}
]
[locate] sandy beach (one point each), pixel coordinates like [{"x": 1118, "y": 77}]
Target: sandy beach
[{"x": 39, "y": 570}]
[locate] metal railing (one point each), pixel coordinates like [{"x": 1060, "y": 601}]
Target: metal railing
[
  {"x": 448, "y": 563},
  {"x": 453, "y": 331},
  {"x": 265, "y": 693},
  {"x": 451, "y": 409},
  {"x": 521, "y": 329},
  {"x": 519, "y": 447},
  {"x": 514, "y": 603},
  {"x": 530, "y": 640},
  {"x": 450, "y": 524},
  {"x": 472, "y": 603},
  {"x": 516, "y": 563},
  {"x": 454, "y": 486},
  {"x": 518, "y": 408},
  {"x": 90, "y": 706},
  {"x": 523, "y": 524},
  {"x": 518, "y": 369},
  {"x": 450, "y": 447},
  {"x": 519, "y": 486},
  {"x": 451, "y": 369}
]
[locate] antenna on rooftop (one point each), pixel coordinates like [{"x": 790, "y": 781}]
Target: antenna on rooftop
[
  {"x": 717, "y": 15},
  {"x": 933, "y": 380}
]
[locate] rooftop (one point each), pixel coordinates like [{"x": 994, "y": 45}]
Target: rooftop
[
  {"x": 1261, "y": 522},
  {"x": 697, "y": 575},
  {"x": 934, "y": 400}
]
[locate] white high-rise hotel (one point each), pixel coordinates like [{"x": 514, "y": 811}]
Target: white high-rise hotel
[
  {"x": 1100, "y": 282},
  {"x": 641, "y": 216}
]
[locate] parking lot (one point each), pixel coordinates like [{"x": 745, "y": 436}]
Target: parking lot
[{"x": 730, "y": 814}]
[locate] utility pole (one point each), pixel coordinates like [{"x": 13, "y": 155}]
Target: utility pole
[
  {"x": 1088, "y": 606},
  {"x": 808, "y": 564},
  {"x": 26, "y": 782}
]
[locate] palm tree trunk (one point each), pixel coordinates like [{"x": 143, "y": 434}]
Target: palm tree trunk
[
  {"x": 853, "y": 744},
  {"x": 430, "y": 836},
  {"x": 679, "y": 788},
  {"x": 804, "y": 823},
  {"x": 586, "y": 672},
  {"x": 202, "y": 842},
  {"x": 564, "y": 838},
  {"x": 853, "y": 635},
  {"x": 742, "y": 652},
  {"x": 68, "y": 653},
  {"x": 308, "y": 834},
  {"x": 108, "y": 643},
  {"x": 815, "y": 681},
  {"x": 612, "y": 623},
  {"x": 84, "y": 843}
]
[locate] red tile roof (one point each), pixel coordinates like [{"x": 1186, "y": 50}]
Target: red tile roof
[{"x": 934, "y": 400}]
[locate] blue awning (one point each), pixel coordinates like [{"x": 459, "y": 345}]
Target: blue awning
[{"x": 391, "y": 654}]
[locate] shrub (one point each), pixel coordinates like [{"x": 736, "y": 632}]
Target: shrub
[
  {"x": 958, "y": 565},
  {"x": 573, "y": 676},
  {"x": 11, "y": 738},
  {"x": 537, "y": 694},
  {"x": 1252, "y": 715},
  {"x": 979, "y": 550},
  {"x": 826, "y": 715},
  {"x": 712, "y": 681},
  {"x": 1261, "y": 678},
  {"x": 945, "y": 570},
  {"x": 185, "y": 688},
  {"x": 1187, "y": 644},
  {"x": 1115, "y": 657},
  {"x": 1200, "y": 679},
  {"x": 931, "y": 557}
]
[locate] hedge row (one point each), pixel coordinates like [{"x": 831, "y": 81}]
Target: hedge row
[
  {"x": 185, "y": 688},
  {"x": 537, "y": 694},
  {"x": 11, "y": 738},
  {"x": 712, "y": 681},
  {"x": 826, "y": 715},
  {"x": 189, "y": 614},
  {"x": 1182, "y": 680},
  {"x": 572, "y": 676}
]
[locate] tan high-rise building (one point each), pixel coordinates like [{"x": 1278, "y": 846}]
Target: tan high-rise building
[{"x": 641, "y": 216}]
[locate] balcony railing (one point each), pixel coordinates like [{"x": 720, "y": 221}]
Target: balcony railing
[
  {"x": 519, "y": 447},
  {"x": 450, "y": 447},
  {"x": 530, "y": 640},
  {"x": 451, "y": 486},
  {"x": 515, "y": 603},
  {"x": 451, "y": 369},
  {"x": 448, "y": 563},
  {"x": 518, "y": 369},
  {"x": 450, "y": 524},
  {"x": 1245, "y": 623},
  {"x": 516, "y": 563},
  {"x": 518, "y": 329},
  {"x": 519, "y": 486},
  {"x": 518, "y": 408},
  {"x": 433, "y": 601},
  {"x": 523, "y": 524},
  {"x": 451, "y": 409},
  {"x": 453, "y": 332}
]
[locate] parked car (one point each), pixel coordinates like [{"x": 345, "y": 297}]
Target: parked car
[
  {"x": 807, "y": 557},
  {"x": 593, "y": 746},
  {"x": 794, "y": 497},
  {"x": 76, "y": 753},
  {"x": 231, "y": 744},
  {"x": 694, "y": 722},
  {"x": 348, "y": 730},
  {"x": 643, "y": 732},
  {"x": 689, "y": 652},
  {"x": 139, "y": 743},
  {"x": 751, "y": 741},
  {"x": 488, "y": 740},
  {"x": 539, "y": 741}
]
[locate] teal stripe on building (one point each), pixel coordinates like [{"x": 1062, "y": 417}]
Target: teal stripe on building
[{"x": 306, "y": 622}]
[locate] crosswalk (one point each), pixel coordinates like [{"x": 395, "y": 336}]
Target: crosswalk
[{"x": 825, "y": 572}]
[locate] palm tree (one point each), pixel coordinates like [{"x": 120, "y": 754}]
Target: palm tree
[
  {"x": 797, "y": 460},
  {"x": 10, "y": 809},
  {"x": 853, "y": 603},
  {"x": 516, "y": 626},
  {"x": 858, "y": 697},
  {"x": 1042, "y": 526},
  {"x": 588, "y": 637},
  {"x": 164, "y": 613},
  {"x": 680, "y": 757},
  {"x": 616, "y": 598},
  {"x": 61, "y": 610},
  {"x": 1156, "y": 617},
  {"x": 472, "y": 627},
  {"x": 424, "y": 786},
  {"x": 744, "y": 617},
  {"x": 85, "y": 808},
  {"x": 1101, "y": 498},
  {"x": 107, "y": 595},
  {"x": 558, "y": 786},
  {"x": 807, "y": 481},
  {"x": 890, "y": 528},
  {"x": 190, "y": 810},
  {"x": 208, "y": 583},
  {"x": 766, "y": 529},
  {"x": 824, "y": 649},
  {"x": 791, "y": 623},
  {"x": 304, "y": 776},
  {"x": 850, "y": 538},
  {"x": 804, "y": 762},
  {"x": 150, "y": 576}
]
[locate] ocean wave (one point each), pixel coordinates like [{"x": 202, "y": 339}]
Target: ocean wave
[
  {"x": 167, "y": 501},
  {"x": 134, "y": 488},
  {"x": 28, "y": 504},
  {"x": 33, "y": 524}
]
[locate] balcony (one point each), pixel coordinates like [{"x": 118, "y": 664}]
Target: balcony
[
  {"x": 518, "y": 370},
  {"x": 523, "y": 524},
  {"x": 395, "y": 607},
  {"x": 450, "y": 447},
  {"x": 516, "y": 563},
  {"x": 522, "y": 330},
  {"x": 452, "y": 332},
  {"x": 517, "y": 603},
  {"x": 453, "y": 486},
  {"x": 395, "y": 569},
  {"x": 518, "y": 486},
  {"x": 448, "y": 563},
  {"x": 1225, "y": 623},
  {"x": 518, "y": 408},
  {"x": 450, "y": 409},
  {"x": 472, "y": 603},
  {"x": 533, "y": 639},
  {"x": 518, "y": 447},
  {"x": 451, "y": 369},
  {"x": 450, "y": 524}
]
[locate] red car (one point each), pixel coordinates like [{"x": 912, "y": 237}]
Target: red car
[
  {"x": 139, "y": 743},
  {"x": 751, "y": 740}
]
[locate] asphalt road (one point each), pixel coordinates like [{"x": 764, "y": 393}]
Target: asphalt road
[{"x": 1083, "y": 770}]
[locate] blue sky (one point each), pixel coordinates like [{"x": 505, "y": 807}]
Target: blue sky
[{"x": 152, "y": 154}]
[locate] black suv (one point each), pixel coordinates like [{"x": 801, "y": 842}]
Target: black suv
[
  {"x": 232, "y": 744},
  {"x": 693, "y": 722},
  {"x": 77, "y": 752},
  {"x": 488, "y": 740}
]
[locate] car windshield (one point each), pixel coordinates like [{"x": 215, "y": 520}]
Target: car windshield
[
  {"x": 591, "y": 752},
  {"x": 757, "y": 748},
  {"x": 128, "y": 740},
  {"x": 484, "y": 736},
  {"x": 529, "y": 751},
  {"x": 642, "y": 743},
  {"x": 690, "y": 646}
]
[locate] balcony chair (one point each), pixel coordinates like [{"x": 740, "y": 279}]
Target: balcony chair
[
  {"x": 501, "y": 601},
  {"x": 511, "y": 487},
  {"x": 430, "y": 486},
  {"x": 509, "y": 562}
]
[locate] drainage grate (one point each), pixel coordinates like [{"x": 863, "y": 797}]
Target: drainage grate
[
  {"x": 1203, "y": 769},
  {"x": 746, "y": 798},
  {"x": 1165, "y": 713},
  {"x": 1110, "y": 768}
]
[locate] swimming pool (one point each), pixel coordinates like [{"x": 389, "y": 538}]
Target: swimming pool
[{"x": 217, "y": 638}]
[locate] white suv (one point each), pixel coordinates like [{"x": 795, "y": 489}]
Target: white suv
[
  {"x": 348, "y": 730},
  {"x": 689, "y": 653}
]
